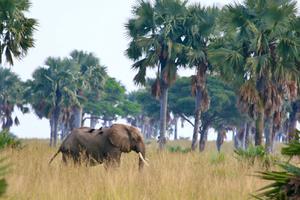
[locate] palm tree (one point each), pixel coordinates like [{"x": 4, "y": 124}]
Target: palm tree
[
  {"x": 52, "y": 88},
  {"x": 16, "y": 30},
  {"x": 155, "y": 32},
  {"x": 91, "y": 81},
  {"x": 263, "y": 53},
  {"x": 10, "y": 97},
  {"x": 200, "y": 25}
]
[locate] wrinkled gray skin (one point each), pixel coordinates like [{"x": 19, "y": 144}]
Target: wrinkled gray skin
[{"x": 95, "y": 146}]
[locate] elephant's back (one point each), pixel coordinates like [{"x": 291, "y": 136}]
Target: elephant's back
[{"x": 71, "y": 143}]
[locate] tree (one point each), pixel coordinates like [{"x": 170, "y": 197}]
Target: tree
[
  {"x": 181, "y": 103},
  {"x": 262, "y": 52},
  {"x": 222, "y": 114},
  {"x": 156, "y": 41},
  {"x": 52, "y": 88},
  {"x": 91, "y": 79},
  {"x": 148, "y": 118},
  {"x": 11, "y": 91},
  {"x": 16, "y": 30},
  {"x": 112, "y": 103},
  {"x": 199, "y": 27}
]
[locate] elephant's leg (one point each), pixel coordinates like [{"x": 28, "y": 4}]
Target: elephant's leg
[
  {"x": 64, "y": 158},
  {"x": 113, "y": 159},
  {"x": 76, "y": 158}
]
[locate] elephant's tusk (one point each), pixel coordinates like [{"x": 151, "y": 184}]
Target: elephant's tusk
[{"x": 142, "y": 158}]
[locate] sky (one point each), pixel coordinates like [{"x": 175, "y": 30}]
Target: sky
[{"x": 92, "y": 25}]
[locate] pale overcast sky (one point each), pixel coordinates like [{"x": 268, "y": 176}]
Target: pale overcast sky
[{"x": 91, "y": 25}]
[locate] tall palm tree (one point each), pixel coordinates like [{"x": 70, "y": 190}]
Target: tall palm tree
[
  {"x": 11, "y": 89},
  {"x": 92, "y": 76},
  {"x": 199, "y": 26},
  {"x": 155, "y": 31},
  {"x": 52, "y": 88},
  {"x": 16, "y": 30},
  {"x": 263, "y": 52}
]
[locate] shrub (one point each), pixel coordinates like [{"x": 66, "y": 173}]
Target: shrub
[
  {"x": 253, "y": 154},
  {"x": 8, "y": 139},
  {"x": 286, "y": 183},
  {"x": 176, "y": 149},
  {"x": 217, "y": 158}
]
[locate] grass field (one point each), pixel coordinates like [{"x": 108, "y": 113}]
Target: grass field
[{"x": 169, "y": 176}]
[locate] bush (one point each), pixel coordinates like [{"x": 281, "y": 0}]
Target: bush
[
  {"x": 8, "y": 139},
  {"x": 286, "y": 183},
  {"x": 176, "y": 149},
  {"x": 253, "y": 154},
  {"x": 218, "y": 158}
]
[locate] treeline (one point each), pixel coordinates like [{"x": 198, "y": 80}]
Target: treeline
[
  {"x": 245, "y": 57},
  {"x": 253, "y": 45}
]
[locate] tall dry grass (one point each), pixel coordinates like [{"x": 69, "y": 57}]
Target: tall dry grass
[{"x": 169, "y": 176}]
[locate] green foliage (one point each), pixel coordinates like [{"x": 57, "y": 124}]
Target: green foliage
[
  {"x": 180, "y": 97},
  {"x": 7, "y": 139},
  {"x": 113, "y": 102},
  {"x": 149, "y": 105},
  {"x": 222, "y": 111},
  {"x": 253, "y": 154},
  {"x": 11, "y": 96},
  {"x": 286, "y": 182},
  {"x": 155, "y": 32},
  {"x": 293, "y": 148},
  {"x": 53, "y": 86},
  {"x": 217, "y": 158},
  {"x": 16, "y": 30},
  {"x": 178, "y": 149}
]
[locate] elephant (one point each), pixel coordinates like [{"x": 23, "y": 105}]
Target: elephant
[{"x": 104, "y": 145}]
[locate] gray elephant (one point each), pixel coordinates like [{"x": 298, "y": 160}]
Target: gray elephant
[{"x": 96, "y": 146}]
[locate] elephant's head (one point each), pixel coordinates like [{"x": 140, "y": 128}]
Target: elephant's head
[{"x": 128, "y": 138}]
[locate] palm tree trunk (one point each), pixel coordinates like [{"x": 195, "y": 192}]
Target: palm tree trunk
[
  {"x": 51, "y": 131},
  {"x": 93, "y": 121},
  {"x": 200, "y": 85},
  {"x": 163, "y": 116},
  {"x": 197, "y": 119},
  {"x": 292, "y": 122},
  {"x": 203, "y": 137},
  {"x": 64, "y": 131},
  {"x": 235, "y": 138},
  {"x": 259, "y": 127},
  {"x": 274, "y": 131},
  {"x": 220, "y": 139},
  {"x": 55, "y": 124},
  {"x": 268, "y": 134},
  {"x": 77, "y": 117},
  {"x": 176, "y": 127},
  {"x": 247, "y": 135}
]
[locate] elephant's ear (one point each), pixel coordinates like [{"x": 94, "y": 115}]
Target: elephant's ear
[{"x": 119, "y": 138}]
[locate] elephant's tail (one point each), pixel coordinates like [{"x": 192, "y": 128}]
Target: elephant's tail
[{"x": 54, "y": 156}]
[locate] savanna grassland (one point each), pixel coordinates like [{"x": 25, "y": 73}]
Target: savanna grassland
[{"x": 169, "y": 176}]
